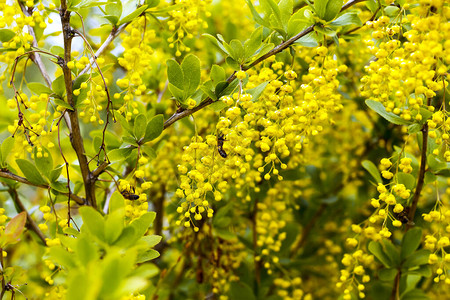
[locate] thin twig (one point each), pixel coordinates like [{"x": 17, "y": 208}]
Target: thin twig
[{"x": 17, "y": 178}]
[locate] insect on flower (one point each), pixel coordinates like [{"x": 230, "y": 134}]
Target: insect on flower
[
  {"x": 403, "y": 217},
  {"x": 220, "y": 141},
  {"x": 130, "y": 194}
]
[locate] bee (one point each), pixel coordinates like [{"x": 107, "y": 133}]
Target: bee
[
  {"x": 403, "y": 217},
  {"x": 130, "y": 195},
  {"x": 220, "y": 141}
]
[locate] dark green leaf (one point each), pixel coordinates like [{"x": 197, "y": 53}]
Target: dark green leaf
[
  {"x": 411, "y": 241},
  {"x": 175, "y": 74},
  {"x": 406, "y": 179},
  {"x": 392, "y": 252},
  {"x": 372, "y": 169},
  {"x": 240, "y": 291},
  {"x": 417, "y": 258},
  {"x": 377, "y": 250},
  {"x": 387, "y": 274}
]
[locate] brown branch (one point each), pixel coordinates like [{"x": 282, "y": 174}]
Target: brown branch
[
  {"x": 31, "y": 224},
  {"x": 75, "y": 137},
  {"x": 100, "y": 169},
  {"x": 421, "y": 176},
  {"x": 396, "y": 287},
  {"x": 184, "y": 112},
  {"x": 11, "y": 176}
]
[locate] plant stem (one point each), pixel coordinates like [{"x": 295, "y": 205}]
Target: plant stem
[{"x": 75, "y": 136}]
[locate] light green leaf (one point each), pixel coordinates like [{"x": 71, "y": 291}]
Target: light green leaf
[
  {"x": 146, "y": 256},
  {"x": 39, "y": 88},
  {"x": 286, "y": 8},
  {"x": 191, "y": 74},
  {"x": 349, "y": 18},
  {"x": 175, "y": 74},
  {"x": 6, "y": 148},
  {"x": 298, "y": 22},
  {"x": 62, "y": 257},
  {"x": 86, "y": 250},
  {"x": 116, "y": 202},
  {"x": 114, "y": 225},
  {"x": 151, "y": 240},
  {"x": 237, "y": 51},
  {"x": 6, "y": 35},
  {"x": 217, "y": 74},
  {"x": 93, "y": 222},
  {"x": 30, "y": 172},
  {"x": 177, "y": 93},
  {"x": 381, "y": 110},
  {"x": 258, "y": 19},
  {"x": 143, "y": 223},
  {"x": 58, "y": 86},
  {"x": 216, "y": 42},
  {"x": 133, "y": 15},
  {"x": 327, "y": 9},
  {"x": 252, "y": 44},
  {"x": 114, "y": 9},
  {"x": 45, "y": 162},
  {"x": 257, "y": 91},
  {"x": 372, "y": 169}
]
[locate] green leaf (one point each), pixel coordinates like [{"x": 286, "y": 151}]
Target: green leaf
[
  {"x": 116, "y": 202},
  {"x": 381, "y": 110},
  {"x": 417, "y": 258},
  {"x": 349, "y": 18},
  {"x": 297, "y": 23},
  {"x": 372, "y": 169},
  {"x": 30, "y": 172},
  {"x": 58, "y": 86},
  {"x": 114, "y": 225},
  {"x": 276, "y": 12},
  {"x": 6, "y": 148},
  {"x": 151, "y": 240},
  {"x": 216, "y": 42},
  {"x": 175, "y": 74},
  {"x": 286, "y": 8},
  {"x": 133, "y": 15},
  {"x": 62, "y": 104},
  {"x": 377, "y": 250},
  {"x": 237, "y": 51},
  {"x": 6, "y": 35},
  {"x": 406, "y": 179},
  {"x": 392, "y": 252},
  {"x": 154, "y": 128},
  {"x": 258, "y": 19},
  {"x": 127, "y": 238},
  {"x": 114, "y": 9},
  {"x": 55, "y": 173},
  {"x": 112, "y": 19},
  {"x": 146, "y": 256},
  {"x": 429, "y": 177},
  {"x": 328, "y": 9},
  {"x": 86, "y": 250},
  {"x": 251, "y": 45},
  {"x": 256, "y": 92},
  {"x": 309, "y": 40},
  {"x": 240, "y": 291},
  {"x": 62, "y": 257},
  {"x": 391, "y": 11},
  {"x": 140, "y": 123},
  {"x": 415, "y": 294},
  {"x": 191, "y": 74},
  {"x": 93, "y": 222},
  {"x": 387, "y": 274},
  {"x": 45, "y": 162},
  {"x": 217, "y": 106},
  {"x": 177, "y": 93},
  {"x": 39, "y": 88},
  {"x": 143, "y": 223},
  {"x": 120, "y": 154},
  {"x": 217, "y": 74},
  {"x": 414, "y": 128},
  {"x": 411, "y": 241}
]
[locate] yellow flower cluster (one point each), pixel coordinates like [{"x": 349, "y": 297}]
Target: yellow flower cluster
[
  {"x": 405, "y": 74},
  {"x": 186, "y": 21}
]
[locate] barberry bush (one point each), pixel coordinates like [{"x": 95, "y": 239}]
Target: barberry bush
[{"x": 199, "y": 149}]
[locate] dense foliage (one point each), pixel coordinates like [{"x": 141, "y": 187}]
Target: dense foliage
[{"x": 199, "y": 149}]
